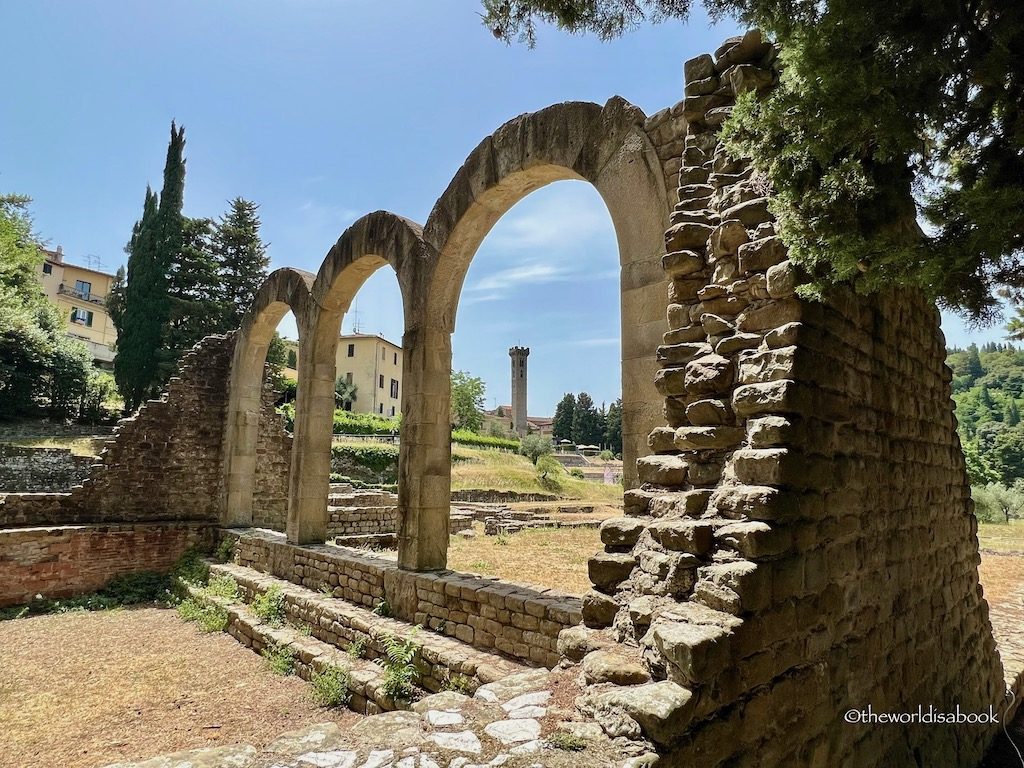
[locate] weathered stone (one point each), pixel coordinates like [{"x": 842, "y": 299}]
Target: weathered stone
[
  {"x": 320, "y": 737},
  {"x": 678, "y": 354},
  {"x": 613, "y": 666},
  {"x": 737, "y": 342},
  {"x": 443, "y": 700},
  {"x": 621, "y": 531},
  {"x": 755, "y": 502},
  {"x": 607, "y": 570},
  {"x": 699, "y": 68},
  {"x": 680, "y": 503},
  {"x": 769, "y": 398},
  {"x": 662, "y": 440},
  {"x": 662, "y": 470},
  {"x": 671, "y": 381},
  {"x": 576, "y": 642},
  {"x": 693, "y": 536},
  {"x": 511, "y": 686},
  {"x": 690, "y": 333},
  {"x": 709, "y": 374},
  {"x": 662, "y": 709},
  {"x": 771, "y": 315},
  {"x": 759, "y": 255},
  {"x": 750, "y": 213},
  {"x": 755, "y": 539},
  {"x": 459, "y": 741},
  {"x": 599, "y": 610},
  {"x": 681, "y": 263},
  {"x": 710, "y": 412},
  {"x": 781, "y": 280},
  {"x": 767, "y": 365},
  {"x": 714, "y": 326},
  {"x": 699, "y": 652},
  {"x": 513, "y": 731},
  {"x": 750, "y": 47},
  {"x": 708, "y": 438},
  {"x": 727, "y": 238},
  {"x": 702, "y": 87},
  {"x": 746, "y": 77},
  {"x": 687, "y": 236}
]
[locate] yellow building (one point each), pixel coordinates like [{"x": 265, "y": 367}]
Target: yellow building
[
  {"x": 80, "y": 293},
  {"x": 374, "y": 365}
]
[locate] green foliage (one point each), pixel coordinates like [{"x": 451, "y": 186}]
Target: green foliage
[
  {"x": 465, "y": 437},
  {"x": 191, "y": 568},
  {"x": 242, "y": 260},
  {"x": 380, "y": 457},
  {"x": 988, "y": 388},
  {"x": 331, "y": 687},
  {"x": 383, "y": 608},
  {"x": 561, "y": 424},
  {"x": 613, "y": 428},
  {"x": 459, "y": 683},
  {"x": 269, "y": 606},
  {"x": 587, "y": 426},
  {"x": 280, "y": 658},
  {"x": 345, "y": 394},
  {"x": 535, "y": 446},
  {"x": 997, "y": 503},
  {"x": 209, "y": 617},
  {"x": 876, "y": 100},
  {"x": 400, "y": 674},
  {"x": 357, "y": 650},
  {"x": 577, "y": 473},
  {"x": 224, "y": 587},
  {"x": 225, "y": 550},
  {"x": 566, "y": 741},
  {"x": 503, "y": 539},
  {"x": 467, "y": 404}
]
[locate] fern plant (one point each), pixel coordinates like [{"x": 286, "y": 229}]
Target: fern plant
[{"x": 400, "y": 671}]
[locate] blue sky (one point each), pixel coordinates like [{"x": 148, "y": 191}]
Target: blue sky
[{"x": 320, "y": 111}]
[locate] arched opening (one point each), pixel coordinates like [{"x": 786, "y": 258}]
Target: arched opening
[
  {"x": 605, "y": 147},
  {"x": 545, "y": 278}
]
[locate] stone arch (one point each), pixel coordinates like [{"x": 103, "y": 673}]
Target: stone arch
[
  {"x": 607, "y": 147},
  {"x": 284, "y": 289}
]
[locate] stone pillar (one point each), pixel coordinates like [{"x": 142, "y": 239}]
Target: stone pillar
[
  {"x": 425, "y": 454},
  {"x": 519, "y": 355},
  {"x": 314, "y": 418}
]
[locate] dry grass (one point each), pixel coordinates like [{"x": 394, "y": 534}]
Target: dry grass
[
  {"x": 80, "y": 446},
  {"x": 1005, "y": 537},
  {"x": 543, "y": 557},
  {"x": 87, "y": 689},
  {"x": 1001, "y": 575}
]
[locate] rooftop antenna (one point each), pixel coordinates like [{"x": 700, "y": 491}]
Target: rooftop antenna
[
  {"x": 355, "y": 317},
  {"x": 92, "y": 261}
]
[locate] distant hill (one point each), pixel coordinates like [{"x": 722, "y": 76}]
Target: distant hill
[{"x": 988, "y": 387}]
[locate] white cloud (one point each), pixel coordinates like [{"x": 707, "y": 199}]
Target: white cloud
[
  {"x": 524, "y": 274},
  {"x": 560, "y": 217}
]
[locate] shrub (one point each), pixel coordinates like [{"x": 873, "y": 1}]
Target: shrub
[
  {"x": 280, "y": 658},
  {"x": 209, "y": 617},
  {"x": 379, "y": 457},
  {"x": 383, "y": 608},
  {"x": 269, "y": 606},
  {"x": 458, "y": 683},
  {"x": 191, "y": 568},
  {"x": 535, "y": 446},
  {"x": 399, "y": 669},
  {"x": 606, "y": 455},
  {"x": 357, "y": 650},
  {"x": 225, "y": 550},
  {"x": 223, "y": 586},
  {"x": 330, "y": 687},
  {"x": 577, "y": 473}
]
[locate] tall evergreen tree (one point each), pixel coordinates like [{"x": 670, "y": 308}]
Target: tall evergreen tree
[
  {"x": 586, "y": 428},
  {"x": 561, "y": 424},
  {"x": 140, "y": 324},
  {"x": 974, "y": 369},
  {"x": 613, "y": 427},
  {"x": 242, "y": 258},
  {"x": 193, "y": 287}
]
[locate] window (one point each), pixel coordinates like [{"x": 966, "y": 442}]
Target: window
[
  {"x": 381, "y": 409},
  {"x": 351, "y": 350},
  {"x": 348, "y": 377},
  {"x": 381, "y": 384},
  {"x": 83, "y": 287},
  {"x": 383, "y": 352},
  {"x": 396, "y": 358},
  {"x": 47, "y": 269},
  {"x": 392, "y": 410},
  {"x": 348, "y": 405},
  {"x": 81, "y": 317},
  {"x": 394, "y": 388}
]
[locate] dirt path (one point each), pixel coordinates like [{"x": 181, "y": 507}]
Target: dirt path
[{"x": 86, "y": 689}]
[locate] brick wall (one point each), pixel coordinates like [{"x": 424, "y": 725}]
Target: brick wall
[
  {"x": 803, "y": 540},
  {"x": 73, "y": 559}
]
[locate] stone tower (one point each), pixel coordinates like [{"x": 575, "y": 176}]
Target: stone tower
[{"x": 519, "y": 355}]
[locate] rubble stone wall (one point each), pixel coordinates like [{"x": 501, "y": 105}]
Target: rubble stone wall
[
  {"x": 518, "y": 621},
  {"x": 27, "y": 469},
  {"x": 803, "y": 542},
  {"x": 273, "y": 466}
]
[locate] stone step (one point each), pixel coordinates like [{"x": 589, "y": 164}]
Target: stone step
[
  {"x": 365, "y": 678},
  {"x": 442, "y": 661}
]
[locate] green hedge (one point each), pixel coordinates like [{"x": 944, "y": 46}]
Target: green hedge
[
  {"x": 465, "y": 437},
  {"x": 376, "y": 456}
]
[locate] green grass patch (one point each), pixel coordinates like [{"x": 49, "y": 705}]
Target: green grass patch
[
  {"x": 223, "y": 586},
  {"x": 280, "y": 658},
  {"x": 269, "y": 606},
  {"x": 465, "y": 437},
  {"x": 209, "y": 617},
  {"x": 400, "y": 674},
  {"x": 330, "y": 687},
  {"x": 567, "y": 742}
]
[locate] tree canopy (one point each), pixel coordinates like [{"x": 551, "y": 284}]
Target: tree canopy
[
  {"x": 467, "y": 401},
  {"x": 887, "y": 114}
]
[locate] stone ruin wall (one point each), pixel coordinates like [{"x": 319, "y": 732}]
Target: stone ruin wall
[
  {"x": 24, "y": 469},
  {"x": 153, "y": 492},
  {"x": 803, "y": 540},
  {"x": 273, "y": 465}
]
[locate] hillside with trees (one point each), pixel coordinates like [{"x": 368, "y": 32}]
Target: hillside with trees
[{"x": 988, "y": 388}]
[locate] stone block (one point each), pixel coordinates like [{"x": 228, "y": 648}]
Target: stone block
[
  {"x": 608, "y": 570},
  {"x": 699, "y": 652},
  {"x": 599, "y": 609},
  {"x": 663, "y": 710},
  {"x": 661, "y": 470},
  {"x": 695, "y": 537},
  {"x": 710, "y": 374},
  {"x": 708, "y": 438},
  {"x": 621, "y": 531}
]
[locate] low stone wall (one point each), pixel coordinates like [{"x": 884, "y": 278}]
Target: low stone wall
[
  {"x": 488, "y": 496},
  {"x": 518, "y": 621},
  {"x": 63, "y": 561},
  {"x": 24, "y": 468}
]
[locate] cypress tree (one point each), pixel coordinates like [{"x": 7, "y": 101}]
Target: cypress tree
[
  {"x": 586, "y": 428},
  {"x": 193, "y": 289},
  {"x": 242, "y": 259},
  {"x": 139, "y": 324},
  {"x": 613, "y": 427}
]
